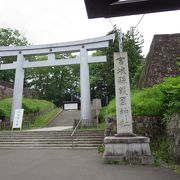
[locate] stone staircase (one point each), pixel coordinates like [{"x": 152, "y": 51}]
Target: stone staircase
[{"x": 51, "y": 139}]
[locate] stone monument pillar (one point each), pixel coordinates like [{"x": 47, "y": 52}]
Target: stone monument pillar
[
  {"x": 125, "y": 146},
  {"x": 122, "y": 89}
]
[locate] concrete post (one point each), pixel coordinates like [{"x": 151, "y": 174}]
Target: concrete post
[
  {"x": 18, "y": 86},
  {"x": 85, "y": 88}
]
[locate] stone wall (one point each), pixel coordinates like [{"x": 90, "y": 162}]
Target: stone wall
[
  {"x": 148, "y": 126},
  {"x": 161, "y": 60},
  {"x": 173, "y": 135},
  {"x": 6, "y": 91},
  {"x": 153, "y": 128}
]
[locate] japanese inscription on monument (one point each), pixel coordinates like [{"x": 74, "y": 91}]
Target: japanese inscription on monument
[{"x": 122, "y": 87}]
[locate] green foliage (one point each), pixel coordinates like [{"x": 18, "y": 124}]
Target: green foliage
[
  {"x": 55, "y": 84},
  {"x": 42, "y": 121},
  {"x": 144, "y": 103},
  {"x": 111, "y": 110},
  {"x": 10, "y": 37},
  {"x": 100, "y": 149},
  {"x": 178, "y": 61},
  {"x": 171, "y": 90},
  {"x": 102, "y": 114},
  {"x": 29, "y": 105},
  {"x": 148, "y": 102},
  {"x": 5, "y": 108},
  {"x": 132, "y": 44},
  {"x": 155, "y": 101}
]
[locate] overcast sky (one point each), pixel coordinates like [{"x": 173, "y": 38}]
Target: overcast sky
[{"x": 54, "y": 21}]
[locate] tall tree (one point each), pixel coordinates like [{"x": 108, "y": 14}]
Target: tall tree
[
  {"x": 102, "y": 75},
  {"x": 10, "y": 37}
]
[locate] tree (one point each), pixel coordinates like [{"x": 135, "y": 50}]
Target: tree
[
  {"x": 55, "y": 84},
  {"x": 102, "y": 75},
  {"x": 10, "y": 37}
]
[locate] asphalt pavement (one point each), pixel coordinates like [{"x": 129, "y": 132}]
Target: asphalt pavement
[{"x": 72, "y": 165}]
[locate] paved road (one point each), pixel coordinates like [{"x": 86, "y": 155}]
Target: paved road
[
  {"x": 72, "y": 165},
  {"x": 65, "y": 118}
]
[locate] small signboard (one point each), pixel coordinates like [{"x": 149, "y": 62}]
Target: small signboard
[
  {"x": 18, "y": 117},
  {"x": 71, "y": 106}
]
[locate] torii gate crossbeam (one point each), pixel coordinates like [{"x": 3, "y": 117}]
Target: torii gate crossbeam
[{"x": 21, "y": 52}]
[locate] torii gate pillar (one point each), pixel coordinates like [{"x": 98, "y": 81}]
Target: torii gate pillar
[
  {"x": 18, "y": 86},
  {"x": 85, "y": 87}
]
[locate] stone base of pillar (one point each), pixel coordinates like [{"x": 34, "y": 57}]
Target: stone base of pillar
[
  {"x": 88, "y": 123},
  {"x": 135, "y": 150},
  {"x": 125, "y": 135}
]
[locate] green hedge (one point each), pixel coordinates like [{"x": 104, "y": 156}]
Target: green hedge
[
  {"x": 159, "y": 100},
  {"x": 29, "y": 106}
]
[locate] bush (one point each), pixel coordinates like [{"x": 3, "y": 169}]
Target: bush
[
  {"x": 171, "y": 91},
  {"x": 159, "y": 100},
  {"x": 148, "y": 102}
]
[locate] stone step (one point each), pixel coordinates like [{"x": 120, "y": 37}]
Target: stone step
[
  {"x": 47, "y": 140},
  {"x": 47, "y": 148},
  {"x": 20, "y": 134},
  {"x": 50, "y": 145},
  {"x": 39, "y": 140},
  {"x": 50, "y": 139},
  {"x": 56, "y": 136},
  {"x": 51, "y": 136},
  {"x": 65, "y": 131},
  {"x": 51, "y": 142}
]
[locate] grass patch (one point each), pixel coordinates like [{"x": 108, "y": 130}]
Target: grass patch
[
  {"x": 36, "y": 105},
  {"x": 101, "y": 126},
  {"x": 5, "y": 108},
  {"x": 42, "y": 121},
  {"x": 29, "y": 106}
]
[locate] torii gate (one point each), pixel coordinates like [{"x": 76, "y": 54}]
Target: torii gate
[{"x": 82, "y": 46}]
